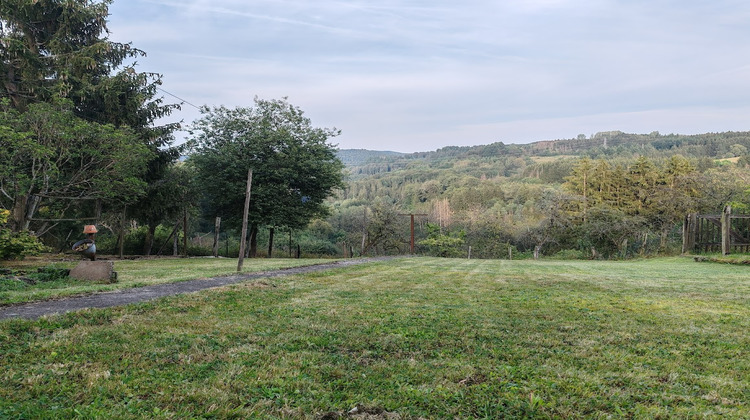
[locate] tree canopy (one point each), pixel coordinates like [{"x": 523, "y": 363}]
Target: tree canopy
[
  {"x": 56, "y": 60},
  {"x": 294, "y": 167},
  {"x": 48, "y": 153}
]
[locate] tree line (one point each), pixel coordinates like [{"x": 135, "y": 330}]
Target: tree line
[
  {"x": 79, "y": 142},
  {"x": 574, "y": 206}
]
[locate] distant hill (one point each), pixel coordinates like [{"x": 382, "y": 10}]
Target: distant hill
[
  {"x": 605, "y": 144},
  {"x": 359, "y": 157},
  {"x": 499, "y": 159},
  {"x": 514, "y": 196}
]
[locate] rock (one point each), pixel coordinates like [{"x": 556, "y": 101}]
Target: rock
[{"x": 95, "y": 271}]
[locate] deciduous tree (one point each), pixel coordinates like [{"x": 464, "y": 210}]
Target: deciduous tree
[
  {"x": 294, "y": 167},
  {"x": 49, "y": 153}
]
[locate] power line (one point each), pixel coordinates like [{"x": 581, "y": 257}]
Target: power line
[{"x": 175, "y": 96}]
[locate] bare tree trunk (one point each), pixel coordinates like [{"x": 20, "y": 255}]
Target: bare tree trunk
[
  {"x": 121, "y": 237},
  {"x": 148, "y": 243},
  {"x": 32, "y": 206},
  {"x": 247, "y": 248},
  {"x": 253, "y": 240},
  {"x": 270, "y": 242},
  {"x": 19, "y": 213},
  {"x": 185, "y": 233}
]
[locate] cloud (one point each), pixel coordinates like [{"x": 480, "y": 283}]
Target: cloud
[{"x": 425, "y": 74}]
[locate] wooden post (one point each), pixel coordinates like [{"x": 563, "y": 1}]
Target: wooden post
[
  {"x": 217, "y": 226},
  {"x": 364, "y": 232},
  {"x": 411, "y": 241},
  {"x": 243, "y": 238},
  {"x": 290, "y": 243},
  {"x": 726, "y": 231},
  {"x": 412, "y": 235}
]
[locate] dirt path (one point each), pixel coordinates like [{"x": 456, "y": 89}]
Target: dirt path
[{"x": 35, "y": 310}]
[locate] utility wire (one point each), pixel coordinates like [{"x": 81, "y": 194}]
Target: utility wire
[{"x": 173, "y": 95}]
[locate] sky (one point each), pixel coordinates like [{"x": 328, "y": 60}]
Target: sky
[{"x": 418, "y": 75}]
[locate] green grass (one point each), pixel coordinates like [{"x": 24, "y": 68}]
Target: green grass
[
  {"x": 135, "y": 273},
  {"x": 726, "y": 259},
  {"x": 421, "y": 337}
]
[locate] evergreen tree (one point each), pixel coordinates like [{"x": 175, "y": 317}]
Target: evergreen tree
[{"x": 54, "y": 49}]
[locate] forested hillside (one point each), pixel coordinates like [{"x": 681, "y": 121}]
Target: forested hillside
[{"x": 608, "y": 195}]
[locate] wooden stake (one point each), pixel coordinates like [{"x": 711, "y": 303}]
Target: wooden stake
[
  {"x": 411, "y": 240},
  {"x": 217, "y": 226},
  {"x": 243, "y": 237},
  {"x": 726, "y": 231}
]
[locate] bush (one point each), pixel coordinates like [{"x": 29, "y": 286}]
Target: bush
[
  {"x": 317, "y": 246},
  {"x": 571, "y": 254},
  {"x": 107, "y": 243},
  {"x": 439, "y": 244},
  {"x": 16, "y": 245}
]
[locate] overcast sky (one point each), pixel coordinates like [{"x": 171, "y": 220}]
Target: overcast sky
[{"x": 418, "y": 75}]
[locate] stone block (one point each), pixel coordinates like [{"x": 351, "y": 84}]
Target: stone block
[{"x": 95, "y": 271}]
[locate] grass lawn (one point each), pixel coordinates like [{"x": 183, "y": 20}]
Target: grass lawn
[
  {"x": 420, "y": 337},
  {"x": 134, "y": 273}
]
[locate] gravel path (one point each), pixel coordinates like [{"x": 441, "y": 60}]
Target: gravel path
[{"x": 35, "y": 310}]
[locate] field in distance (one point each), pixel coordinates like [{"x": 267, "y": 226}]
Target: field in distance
[{"x": 405, "y": 338}]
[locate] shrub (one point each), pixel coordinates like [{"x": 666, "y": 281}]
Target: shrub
[
  {"x": 571, "y": 254},
  {"x": 16, "y": 245},
  {"x": 439, "y": 244},
  {"x": 318, "y": 246}
]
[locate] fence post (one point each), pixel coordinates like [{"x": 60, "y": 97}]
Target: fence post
[
  {"x": 217, "y": 227},
  {"x": 726, "y": 231},
  {"x": 689, "y": 229},
  {"x": 243, "y": 237}
]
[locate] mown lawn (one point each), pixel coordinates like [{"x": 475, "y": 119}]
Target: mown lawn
[
  {"x": 421, "y": 337},
  {"x": 134, "y": 273}
]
